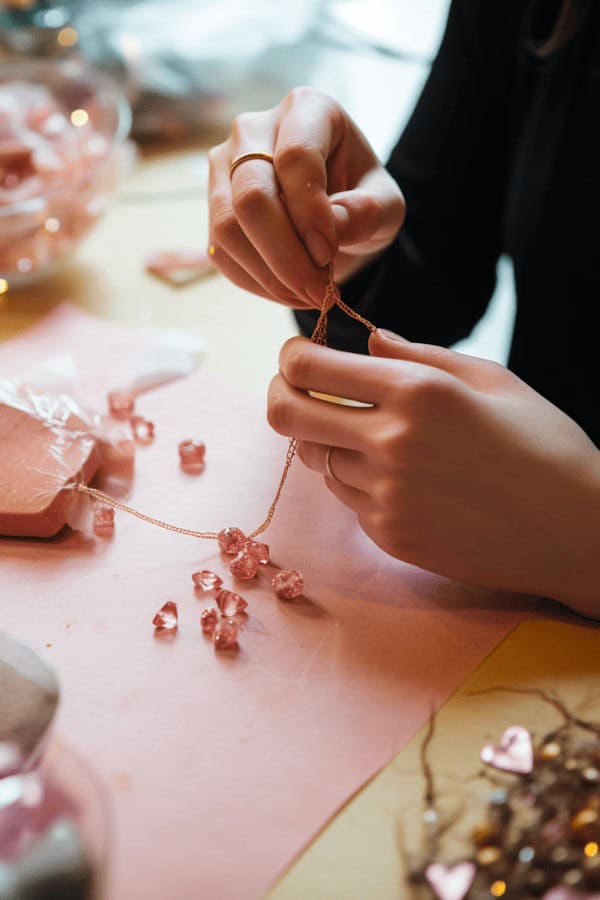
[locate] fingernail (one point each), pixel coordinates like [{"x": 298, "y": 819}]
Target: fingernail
[
  {"x": 341, "y": 216},
  {"x": 318, "y": 248},
  {"x": 392, "y": 336}
]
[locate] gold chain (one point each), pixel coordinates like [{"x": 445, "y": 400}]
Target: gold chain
[{"x": 319, "y": 336}]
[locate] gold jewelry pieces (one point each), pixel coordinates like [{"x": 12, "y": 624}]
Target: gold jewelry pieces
[{"x": 257, "y": 154}]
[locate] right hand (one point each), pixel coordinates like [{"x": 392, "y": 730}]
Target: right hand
[{"x": 275, "y": 227}]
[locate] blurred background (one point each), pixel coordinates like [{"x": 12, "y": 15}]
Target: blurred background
[{"x": 188, "y": 66}]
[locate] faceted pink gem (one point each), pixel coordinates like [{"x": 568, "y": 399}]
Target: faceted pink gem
[
  {"x": 121, "y": 405},
  {"x": 258, "y": 550},
  {"x": 209, "y": 620},
  {"x": 288, "y": 584},
  {"x": 167, "y": 616},
  {"x": 206, "y": 580},
  {"x": 143, "y": 430},
  {"x": 244, "y": 566},
  {"x": 191, "y": 456},
  {"x": 231, "y": 540},
  {"x": 230, "y": 603},
  {"x": 225, "y": 634},
  {"x": 104, "y": 520}
]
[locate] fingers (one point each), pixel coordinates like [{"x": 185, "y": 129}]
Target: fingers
[
  {"x": 296, "y": 414},
  {"x": 477, "y": 373},
  {"x": 350, "y": 497},
  {"x": 348, "y": 466},
  {"x": 310, "y": 367},
  {"x": 368, "y": 217},
  {"x": 235, "y": 255},
  {"x": 309, "y": 135}
]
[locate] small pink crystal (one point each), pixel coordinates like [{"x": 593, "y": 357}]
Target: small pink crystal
[
  {"x": 258, "y": 550},
  {"x": 104, "y": 520},
  {"x": 231, "y": 540},
  {"x": 288, "y": 584},
  {"x": 244, "y": 566},
  {"x": 225, "y": 634},
  {"x": 206, "y": 580},
  {"x": 143, "y": 430},
  {"x": 191, "y": 456},
  {"x": 209, "y": 620},
  {"x": 121, "y": 405},
  {"x": 167, "y": 616},
  {"x": 230, "y": 603}
]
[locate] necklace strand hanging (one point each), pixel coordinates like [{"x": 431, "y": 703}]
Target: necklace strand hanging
[{"x": 223, "y": 625}]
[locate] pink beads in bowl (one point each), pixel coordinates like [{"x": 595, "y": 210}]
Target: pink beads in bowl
[{"x": 63, "y": 147}]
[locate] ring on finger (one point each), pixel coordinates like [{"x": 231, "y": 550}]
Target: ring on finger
[{"x": 329, "y": 471}]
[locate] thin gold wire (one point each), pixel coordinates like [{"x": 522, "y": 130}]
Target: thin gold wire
[{"x": 319, "y": 336}]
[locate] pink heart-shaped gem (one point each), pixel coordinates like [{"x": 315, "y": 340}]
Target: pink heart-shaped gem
[
  {"x": 514, "y": 753},
  {"x": 450, "y": 882}
]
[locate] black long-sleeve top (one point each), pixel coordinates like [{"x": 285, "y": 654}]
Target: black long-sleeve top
[{"x": 501, "y": 155}]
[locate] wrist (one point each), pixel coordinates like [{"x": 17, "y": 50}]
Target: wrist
[{"x": 577, "y": 584}]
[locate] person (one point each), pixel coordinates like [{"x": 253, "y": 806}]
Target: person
[{"x": 483, "y": 473}]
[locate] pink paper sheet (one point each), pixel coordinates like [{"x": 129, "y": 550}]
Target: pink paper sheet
[{"x": 222, "y": 769}]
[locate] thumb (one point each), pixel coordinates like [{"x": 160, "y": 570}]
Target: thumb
[{"x": 387, "y": 344}]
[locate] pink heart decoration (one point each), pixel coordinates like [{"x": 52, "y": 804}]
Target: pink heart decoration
[
  {"x": 450, "y": 882},
  {"x": 514, "y": 753}
]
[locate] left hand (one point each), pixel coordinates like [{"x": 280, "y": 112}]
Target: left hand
[{"x": 458, "y": 467}]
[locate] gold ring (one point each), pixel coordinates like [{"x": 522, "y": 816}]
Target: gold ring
[
  {"x": 328, "y": 468},
  {"x": 257, "y": 154}
]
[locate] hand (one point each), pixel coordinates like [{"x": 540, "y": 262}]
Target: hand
[
  {"x": 458, "y": 467},
  {"x": 275, "y": 226}
]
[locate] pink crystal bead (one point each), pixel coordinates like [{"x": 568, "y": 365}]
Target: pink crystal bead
[
  {"x": 104, "y": 520},
  {"x": 143, "y": 430},
  {"x": 121, "y": 405},
  {"x": 244, "y": 566},
  {"x": 230, "y": 603},
  {"x": 209, "y": 620},
  {"x": 231, "y": 540},
  {"x": 225, "y": 634},
  {"x": 206, "y": 580},
  {"x": 258, "y": 550},
  {"x": 167, "y": 616},
  {"x": 288, "y": 584},
  {"x": 191, "y": 456}
]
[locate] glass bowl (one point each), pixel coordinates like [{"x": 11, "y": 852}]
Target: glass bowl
[{"x": 63, "y": 149}]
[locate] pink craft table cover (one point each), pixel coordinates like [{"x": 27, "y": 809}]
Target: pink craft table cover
[{"x": 222, "y": 768}]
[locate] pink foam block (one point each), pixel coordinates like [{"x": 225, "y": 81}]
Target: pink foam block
[{"x": 36, "y": 462}]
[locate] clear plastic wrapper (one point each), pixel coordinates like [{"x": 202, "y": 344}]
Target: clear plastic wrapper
[{"x": 49, "y": 441}]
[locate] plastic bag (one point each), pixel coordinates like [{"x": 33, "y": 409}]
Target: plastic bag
[{"x": 49, "y": 441}]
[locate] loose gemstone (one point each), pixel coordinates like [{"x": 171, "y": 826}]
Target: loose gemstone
[
  {"x": 230, "y": 603},
  {"x": 225, "y": 634},
  {"x": 191, "y": 456},
  {"x": 206, "y": 580},
  {"x": 231, "y": 540},
  {"x": 258, "y": 550},
  {"x": 143, "y": 430},
  {"x": 288, "y": 584},
  {"x": 209, "y": 620},
  {"x": 121, "y": 405},
  {"x": 167, "y": 616},
  {"x": 244, "y": 566},
  {"x": 104, "y": 520}
]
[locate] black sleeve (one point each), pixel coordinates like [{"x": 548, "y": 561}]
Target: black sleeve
[{"x": 435, "y": 281}]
